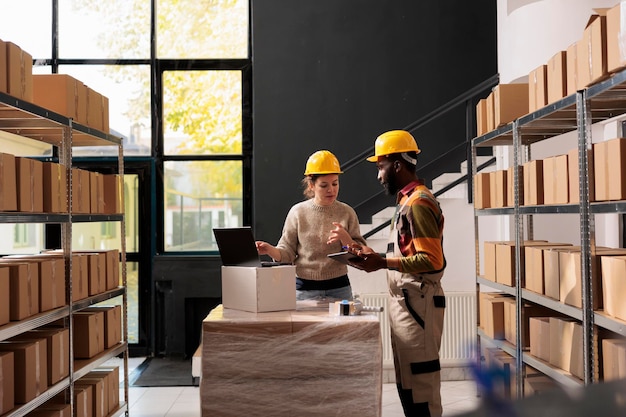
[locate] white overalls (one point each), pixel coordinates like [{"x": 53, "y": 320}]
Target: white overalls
[{"x": 416, "y": 310}]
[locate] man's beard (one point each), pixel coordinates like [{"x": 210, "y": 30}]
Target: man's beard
[{"x": 391, "y": 185}]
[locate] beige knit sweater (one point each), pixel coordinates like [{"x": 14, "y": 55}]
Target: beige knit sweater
[{"x": 306, "y": 232}]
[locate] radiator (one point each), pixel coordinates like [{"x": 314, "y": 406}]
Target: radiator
[{"x": 459, "y": 327}]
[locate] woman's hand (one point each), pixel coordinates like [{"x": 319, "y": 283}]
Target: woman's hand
[
  {"x": 265, "y": 248},
  {"x": 339, "y": 234}
]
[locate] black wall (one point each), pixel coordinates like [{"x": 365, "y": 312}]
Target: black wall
[{"x": 334, "y": 74}]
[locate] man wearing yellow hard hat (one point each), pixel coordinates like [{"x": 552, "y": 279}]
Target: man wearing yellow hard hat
[
  {"x": 315, "y": 228},
  {"x": 415, "y": 263}
]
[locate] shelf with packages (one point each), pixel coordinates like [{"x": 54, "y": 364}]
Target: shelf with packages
[
  {"x": 33, "y": 122},
  {"x": 577, "y": 112}
]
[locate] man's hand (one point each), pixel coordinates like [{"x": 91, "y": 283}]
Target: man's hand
[{"x": 368, "y": 260}]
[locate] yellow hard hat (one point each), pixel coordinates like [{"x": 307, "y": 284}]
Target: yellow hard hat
[
  {"x": 322, "y": 163},
  {"x": 394, "y": 141}
]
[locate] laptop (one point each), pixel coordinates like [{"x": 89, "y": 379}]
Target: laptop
[{"x": 237, "y": 247}]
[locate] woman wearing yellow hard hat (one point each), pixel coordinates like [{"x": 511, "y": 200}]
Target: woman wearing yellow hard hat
[{"x": 316, "y": 227}]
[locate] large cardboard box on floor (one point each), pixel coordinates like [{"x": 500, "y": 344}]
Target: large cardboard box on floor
[
  {"x": 259, "y": 289},
  {"x": 591, "y": 50},
  {"x": 7, "y": 381},
  {"x": 510, "y": 101},
  {"x": 610, "y": 169},
  {"x": 557, "y": 76},
  {"x": 616, "y": 37}
]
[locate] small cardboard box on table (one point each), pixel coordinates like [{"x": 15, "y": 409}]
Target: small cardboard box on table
[
  {"x": 290, "y": 363},
  {"x": 259, "y": 289}
]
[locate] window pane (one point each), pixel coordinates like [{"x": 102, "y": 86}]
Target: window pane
[
  {"x": 202, "y": 29},
  {"x": 89, "y": 236},
  {"x": 202, "y": 112},
  {"x": 30, "y": 30},
  {"x": 128, "y": 89},
  {"x": 199, "y": 196},
  {"x": 131, "y": 210},
  {"x": 104, "y": 29},
  {"x": 22, "y": 238}
]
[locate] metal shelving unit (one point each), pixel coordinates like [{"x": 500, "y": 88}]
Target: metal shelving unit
[
  {"x": 36, "y": 123},
  {"x": 576, "y": 112}
]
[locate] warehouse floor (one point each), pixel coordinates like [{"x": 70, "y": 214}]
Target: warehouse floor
[{"x": 457, "y": 397}]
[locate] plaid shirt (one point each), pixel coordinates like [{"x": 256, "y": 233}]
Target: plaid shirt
[{"x": 419, "y": 224}]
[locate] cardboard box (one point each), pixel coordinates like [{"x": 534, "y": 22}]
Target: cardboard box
[
  {"x": 58, "y": 345},
  {"x": 490, "y": 261},
  {"x": 97, "y": 192},
  {"x": 96, "y": 271},
  {"x": 570, "y": 290},
  {"x": 573, "y": 176},
  {"x": 111, "y": 377},
  {"x": 538, "y": 88},
  {"x": 112, "y": 194},
  {"x": 510, "y": 101},
  {"x": 614, "y": 359},
  {"x": 30, "y": 364},
  {"x": 83, "y": 401},
  {"x": 539, "y": 334},
  {"x": 591, "y": 51},
  {"x": 491, "y": 314},
  {"x": 614, "y": 285},
  {"x": 566, "y": 344},
  {"x": 95, "y": 110},
  {"x": 555, "y": 180},
  {"x": 7, "y": 381},
  {"x": 498, "y": 188},
  {"x": 24, "y": 177},
  {"x": 112, "y": 324},
  {"x": 535, "y": 266},
  {"x": 19, "y": 72},
  {"x": 88, "y": 334},
  {"x": 610, "y": 169},
  {"x": 54, "y": 188},
  {"x": 491, "y": 123},
  {"x": 56, "y": 92},
  {"x": 616, "y": 37},
  {"x": 8, "y": 183},
  {"x": 510, "y": 320},
  {"x": 572, "y": 68},
  {"x": 481, "y": 117},
  {"x": 52, "y": 410},
  {"x": 3, "y": 66},
  {"x": 482, "y": 192},
  {"x": 510, "y": 180},
  {"x": 98, "y": 395},
  {"x": 259, "y": 289},
  {"x": 5, "y": 295},
  {"x": 505, "y": 260},
  {"x": 24, "y": 289},
  {"x": 51, "y": 279},
  {"x": 557, "y": 77},
  {"x": 112, "y": 269},
  {"x": 539, "y": 384},
  {"x": 533, "y": 183}
]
